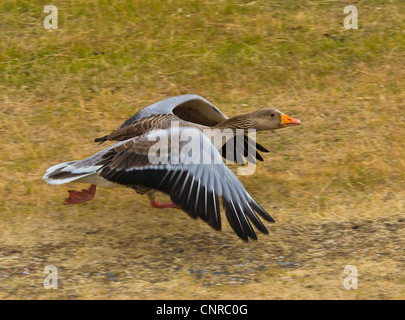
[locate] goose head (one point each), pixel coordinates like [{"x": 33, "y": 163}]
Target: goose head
[{"x": 271, "y": 119}]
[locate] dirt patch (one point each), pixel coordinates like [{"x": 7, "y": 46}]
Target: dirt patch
[{"x": 109, "y": 263}]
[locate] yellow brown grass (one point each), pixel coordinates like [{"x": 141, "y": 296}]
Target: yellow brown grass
[{"x": 335, "y": 185}]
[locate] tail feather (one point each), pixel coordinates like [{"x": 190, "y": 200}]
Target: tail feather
[{"x": 67, "y": 172}]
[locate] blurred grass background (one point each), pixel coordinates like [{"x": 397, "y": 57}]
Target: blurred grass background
[{"x": 335, "y": 185}]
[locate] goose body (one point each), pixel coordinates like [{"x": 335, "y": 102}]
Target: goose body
[{"x": 195, "y": 184}]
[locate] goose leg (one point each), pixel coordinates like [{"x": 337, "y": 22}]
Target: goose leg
[
  {"x": 158, "y": 204},
  {"x": 76, "y": 197}
]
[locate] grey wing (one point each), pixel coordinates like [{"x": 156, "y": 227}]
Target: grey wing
[
  {"x": 242, "y": 149},
  {"x": 194, "y": 185},
  {"x": 189, "y": 107},
  {"x": 196, "y": 109}
]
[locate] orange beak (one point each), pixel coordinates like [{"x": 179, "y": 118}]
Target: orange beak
[{"x": 287, "y": 121}]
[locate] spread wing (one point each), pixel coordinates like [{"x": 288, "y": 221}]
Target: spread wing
[
  {"x": 142, "y": 126},
  {"x": 189, "y": 107},
  {"x": 189, "y": 169}
]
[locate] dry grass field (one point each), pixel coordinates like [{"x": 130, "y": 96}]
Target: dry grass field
[{"x": 335, "y": 185}]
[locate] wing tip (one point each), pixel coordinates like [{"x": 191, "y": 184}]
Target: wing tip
[{"x": 101, "y": 140}]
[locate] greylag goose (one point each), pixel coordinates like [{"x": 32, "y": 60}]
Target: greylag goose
[{"x": 195, "y": 185}]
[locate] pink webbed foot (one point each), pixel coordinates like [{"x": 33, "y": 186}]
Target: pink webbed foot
[
  {"x": 158, "y": 204},
  {"x": 76, "y": 197}
]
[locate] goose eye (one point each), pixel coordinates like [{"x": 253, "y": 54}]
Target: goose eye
[{"x": 272, "y": 115}]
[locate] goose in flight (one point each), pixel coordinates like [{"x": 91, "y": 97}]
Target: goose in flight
[{"x": 153, "y": 155}]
